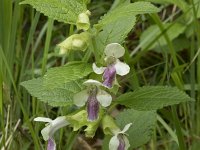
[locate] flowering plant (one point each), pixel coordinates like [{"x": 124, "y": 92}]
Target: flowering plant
[{"x": 83, "y": 92}]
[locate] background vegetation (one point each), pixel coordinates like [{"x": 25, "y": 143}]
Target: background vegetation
[{"x": 162, "y": 49}]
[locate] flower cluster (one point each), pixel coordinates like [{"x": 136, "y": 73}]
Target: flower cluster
[{"x": 95, "y": 98}]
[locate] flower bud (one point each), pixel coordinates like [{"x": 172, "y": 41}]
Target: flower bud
[
  {"x": 83, "y": 21},
  {"x": 75, "y": 42}
]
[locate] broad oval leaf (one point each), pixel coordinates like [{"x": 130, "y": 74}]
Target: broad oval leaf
[
  {"x": 153, "y": 97},
  {"x": 56, "y": 77},
  {"x": 62, "y": 10},
  {"x": 60, "y": 96}
]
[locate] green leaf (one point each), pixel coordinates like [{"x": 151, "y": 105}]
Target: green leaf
[
  {"x": 197, "y": 6},
  {"x": 180, "y": 3},
  {"x": 118, "y": 3},
  {"x": 60, "y": 96},
  {"x": 143, "y": 125},
  {"x": 153, "y": 97},
  {"x": 62, "y": 10},
  {"x": 179, "y": 44},
  {"x": 128, "y": 10},
  {"x": 56, "y": 77},
  {"x": 114, "y": 32},
  {"x": 106, "y": 140},
  {"x": 173, "y": 31}
]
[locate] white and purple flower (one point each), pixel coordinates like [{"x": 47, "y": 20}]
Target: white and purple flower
[
  {"x": 120, "y": 141},
  {"x": 51, "y": 127},
  {"x": 92, "y": 97},
  {"x": 112, "y": 51}
]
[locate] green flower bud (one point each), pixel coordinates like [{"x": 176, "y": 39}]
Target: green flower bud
[
  {"x": 83, "y": 21},
  {"x": 75, "y": 42},
  {"x": 109, "y": 125}
]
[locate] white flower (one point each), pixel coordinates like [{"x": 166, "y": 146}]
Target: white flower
[
  {"x": 112, "y": 51},
  {"x": 120, "y": 141},
  {"x": 92, "y": 97},
  {"x": 51, "y": 127}
]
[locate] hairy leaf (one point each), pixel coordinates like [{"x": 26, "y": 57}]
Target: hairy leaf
[
  {"x": 118, "y": 3},
  {"x": 114, "y": 32},
  {"x": 62, "y": 10},
  {"x": 128, "y": 10},
  {"x": 56, "y": 77},
  {"x": 153, "y": 97},
  {"x": 142, "y": 128},
  {"x": 61, "y": 96}
]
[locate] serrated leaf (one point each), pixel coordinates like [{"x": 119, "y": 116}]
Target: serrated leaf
[
  {"x": 153, "y": 97},
  {"x": 128, "y": 10},
  {"x": 62, "y": 10},
  {"x": 153, "y": 31},
  {"x": 56, "y": 77},
  {"x": 143, "y": 125},
  {"x": 60, "y": 96},
  {"x": 114, "y": 32}
]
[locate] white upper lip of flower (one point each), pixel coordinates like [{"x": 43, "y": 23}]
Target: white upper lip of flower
[
  {"x": 103, "y": 97},
  {"x": 114, "y": 50},
  {"x": 52, "y": 126},
  {"x": 114, "y": 141}
]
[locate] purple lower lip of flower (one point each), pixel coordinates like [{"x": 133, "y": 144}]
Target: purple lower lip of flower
[
  {"x": 92, "y": 108},
  {"x": 121, "y": 143},
  {"x": 109, "y": 76},
  {"x": 51, "y": 144}
]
